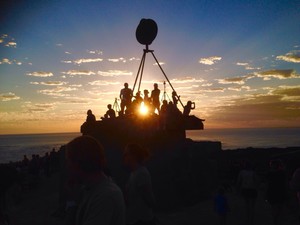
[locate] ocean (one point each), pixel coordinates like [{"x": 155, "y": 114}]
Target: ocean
[{"x": 13, "y": 147}]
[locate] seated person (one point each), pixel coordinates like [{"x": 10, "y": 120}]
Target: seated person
[
  {"x": 90, "y": 117},
  {"x": 188, "y": 107},
  {"x": 110, "y": 113}
]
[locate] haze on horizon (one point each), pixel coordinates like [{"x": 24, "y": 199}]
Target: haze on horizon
[{"x": 238, "y": 61}]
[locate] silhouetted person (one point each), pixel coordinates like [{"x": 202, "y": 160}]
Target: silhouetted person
[
  {"x": 46, "y": 164},
  {"x": 101, "y": 200},
  {"x": 155, "y": 97},
  {"x": 90, "y": 117},
  {"x": 221, "y": 206},
  {"x": 110, "y": 113},
  {"x": 9, "y": 177},
  {"x": 25, "y": 162},
  {"x": 147, "y": 99},
  {"x": 136, "y": 103},
  {"x": 295, "y": 186},
  {"x": 54, "y": 160},
  {"x": 34, "y": 165},
  {"x": 188, "y": 107},
  {"x": 163, "y": 114},
  {"x": 175, "y": 98},
  {"x": 247, "y": 185},
  {"x": 139, "y": 194},
  {"x": 125, "y": 96},
  {"x": 276, "y": 189}
]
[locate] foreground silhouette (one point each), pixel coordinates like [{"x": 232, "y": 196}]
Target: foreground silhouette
[{"x": 101, "y": 200}]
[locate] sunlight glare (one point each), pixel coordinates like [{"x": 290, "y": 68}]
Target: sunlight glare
[{"x": 143, "y": 109}]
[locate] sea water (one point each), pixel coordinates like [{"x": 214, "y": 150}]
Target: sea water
[
  {"x": 249, "y": 137},
  {"x": 13, "y": 147}
]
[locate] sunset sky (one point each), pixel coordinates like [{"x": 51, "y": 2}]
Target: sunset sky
[{"x": 239, "y": 61}]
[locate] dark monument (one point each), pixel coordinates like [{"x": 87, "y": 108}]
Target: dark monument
[{"x": 177, "y": 163}]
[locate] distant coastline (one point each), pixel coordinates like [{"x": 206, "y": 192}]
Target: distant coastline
[{"x": 14, "y": 146}]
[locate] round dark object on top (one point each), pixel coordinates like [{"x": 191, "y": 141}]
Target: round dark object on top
[{"x": 146, "y": 31}]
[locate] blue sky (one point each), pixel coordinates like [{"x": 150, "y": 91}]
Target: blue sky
[{"x": 237, "y": 60}]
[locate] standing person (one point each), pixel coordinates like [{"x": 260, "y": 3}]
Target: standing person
[
  {"x": 146, "y": 97},
  {"x": 155, "y": 97},
  {"x": 125, "y": 96},
  {"x": 175, "y": 98},
  {"x": 221, "y": 206},
  {"x": 246, "y": 185},
  {"x": 139, "y": 195},
  {"x": 276, "y": 189},
  {"x": 101, "y": 200}
]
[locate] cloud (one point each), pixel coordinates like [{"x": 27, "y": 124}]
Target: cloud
[
  {"x": 103, "y": 83},
  {"x": 11, "y": 44},
  {"x": 104, "y": 93},
  {"x": 287, "y": 91},
  {"x": 8, "y": 41},
  {"x": 134, "y": 59},
  {"x": 40, "y": 74},
  {"x": 76, "y": 100},
  {"x": 257, "y": 110},
  {"x": 160, "y": 63},
  {"x": 185, "y": 80},
  {"x": 58, "y": 91},
  {"x": 247, "y": 66},
  {"x": 210, "y": 60},
  {"x": 98, "y": 52},
  {"x": 207, "y": 85},
  {"x": 242, "y": 64},
  {"x": 80, "y": 61},
  {"x": 66, "y": 61},
  {"x": 279, "y": 74},
  {"x": 113, "y": 73},
  {"x": 50, "y": 83},
  {"x": 239, "y": 88},
  {"x": 252, "y": 68},
  {"x": 7, "y": 61},
  {"x": 117, "y": 60},
  {"x": 75, "y": 85},
  {"x": 8, "y": 97},
  {"x": 38, "y": 107},
  {"x": 290, "y": 57},
  {"x": 234, "y": 80},
  {"x": 217, "y": 89},
  {"x": 79, "y": 72}
]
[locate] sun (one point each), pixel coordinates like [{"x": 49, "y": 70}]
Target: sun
[{"x": 143, "y": 109}]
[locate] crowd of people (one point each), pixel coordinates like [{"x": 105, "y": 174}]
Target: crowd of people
[
  {"x": 102, "y": 200},
  {"x": 130, "y": 104},
  {"x": 92, "y": 195},
  {"x": 274, "y": 184},
  {"x": 25, "y": 175}
]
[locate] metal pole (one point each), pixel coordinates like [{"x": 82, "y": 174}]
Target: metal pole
[
  {"x": 138, "y": 73},
  {"x": 166, "y": 77}
]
